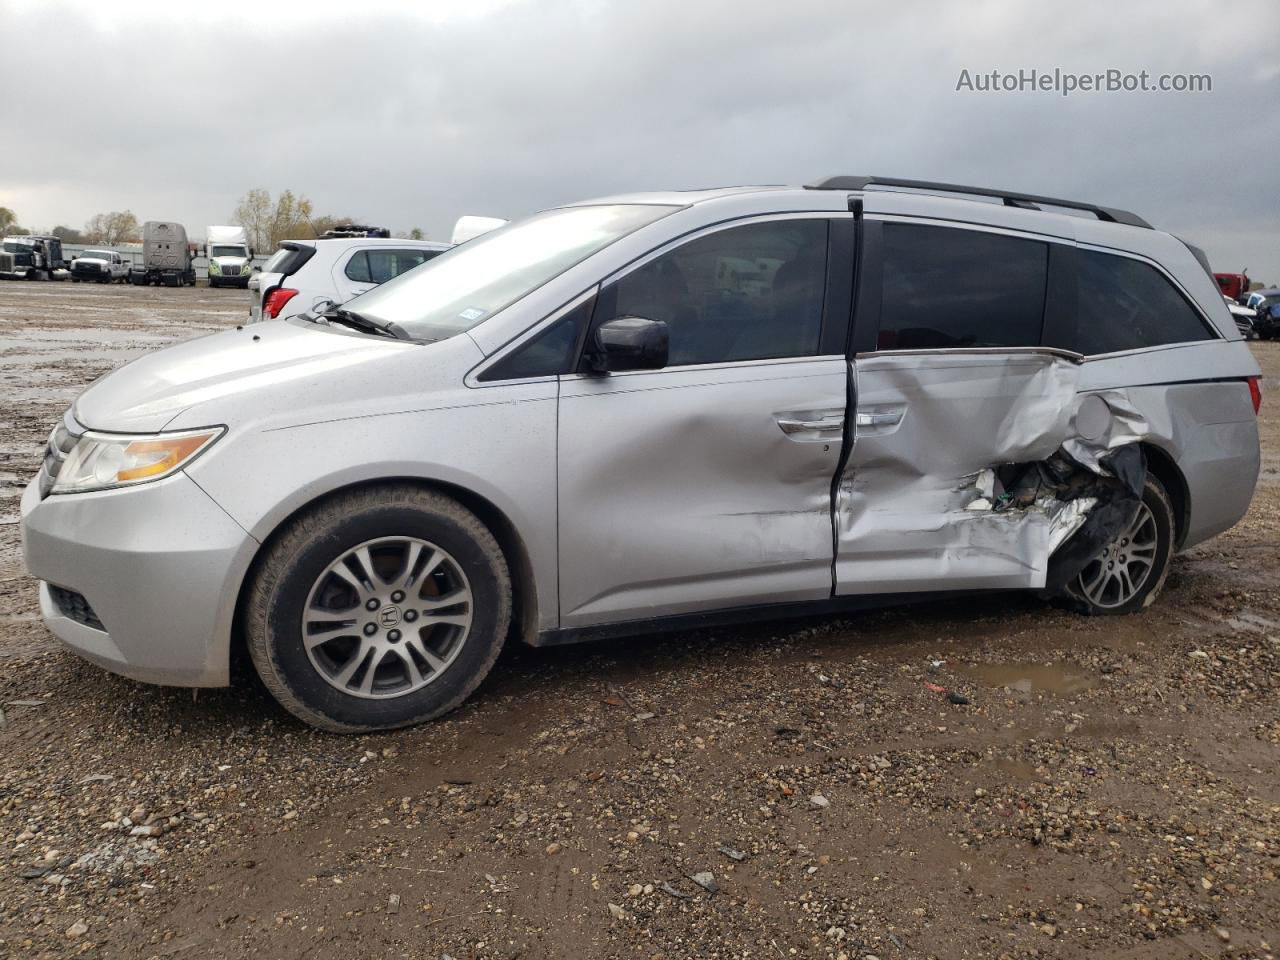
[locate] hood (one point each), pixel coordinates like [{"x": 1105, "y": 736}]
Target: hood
[
  {"x": 230, "y": 261},
  {"x": 96, "y": 261},
  {"x": 238, "y": 373}
]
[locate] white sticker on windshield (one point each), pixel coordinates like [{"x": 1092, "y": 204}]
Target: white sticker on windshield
[{"x": 471, "y": 313}]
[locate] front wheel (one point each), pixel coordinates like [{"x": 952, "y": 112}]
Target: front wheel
[
  {"x": 381, "y": 608},
  {"x": 1129, "y": 572}
]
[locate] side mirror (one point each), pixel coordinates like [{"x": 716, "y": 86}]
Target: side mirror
[{"x": 628, "y": 343}]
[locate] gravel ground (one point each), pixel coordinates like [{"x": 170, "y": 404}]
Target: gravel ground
[{"x": 791, "y": 790}]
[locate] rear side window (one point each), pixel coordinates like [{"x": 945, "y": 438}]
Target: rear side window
[
  {"x": 1125, "y": 304},
  {"x": 379, "y": 266},
  {"x": 947, "y": 287}
]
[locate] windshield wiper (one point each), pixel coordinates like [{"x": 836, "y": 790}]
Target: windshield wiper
[{"x": 358, "y": 321}]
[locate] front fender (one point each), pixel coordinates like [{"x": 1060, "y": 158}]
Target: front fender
[{"x": 502, "y": 452}]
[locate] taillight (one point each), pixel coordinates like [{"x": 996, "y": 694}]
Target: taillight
[
  {"x": 1255, "y": 393},
  {"x": 276, "y": 300}
]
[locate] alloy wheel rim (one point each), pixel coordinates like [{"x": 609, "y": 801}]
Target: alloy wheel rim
[
  {"x": 1123, "y": 567},
  {"x": 387, "y": 617}
]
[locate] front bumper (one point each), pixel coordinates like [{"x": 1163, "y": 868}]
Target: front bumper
[{"x": 160, "y": 565}]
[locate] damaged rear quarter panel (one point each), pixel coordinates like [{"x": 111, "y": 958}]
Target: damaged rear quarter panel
[{"x": 1197, "y": 408}]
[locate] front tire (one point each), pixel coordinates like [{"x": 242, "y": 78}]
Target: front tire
[
  {"x": 1127, "y": 574},
  {"x": 380, "y": 608}
]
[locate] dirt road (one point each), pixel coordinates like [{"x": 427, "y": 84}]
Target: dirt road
[{"x": 792, "y": 790}]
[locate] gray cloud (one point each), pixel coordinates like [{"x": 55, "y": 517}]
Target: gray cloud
[{"x": 380, "y": 111}]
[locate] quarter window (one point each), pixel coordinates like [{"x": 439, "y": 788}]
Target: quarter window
[
  {"x": 1125, "y": 304},
  {"x": 752, "y": 292},
  {"x": 551, "y": 352},
  {"x": 947, "y": 287}
]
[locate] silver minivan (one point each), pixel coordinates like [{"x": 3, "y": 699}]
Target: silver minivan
[{"x": 643, "y": 412}]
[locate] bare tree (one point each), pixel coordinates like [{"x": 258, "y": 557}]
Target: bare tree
[
  {"x": 9, "y": 221},
  {"x": 268, "y": 222},
  {"x": 417, "y": 234},
  {"x": 118, "y": 226},
  {"x": 254, "y": 214},
  {"x": 67, "y": 234}
]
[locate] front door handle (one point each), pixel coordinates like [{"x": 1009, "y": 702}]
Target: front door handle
[
  {"x": 811, "y": 428},
  {"x": 879, "y": 419}
]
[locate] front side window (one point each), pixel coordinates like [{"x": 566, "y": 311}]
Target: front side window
[
  {"x": 753, "y": 292},
  {"x": 948, "y": 287},
  {"x": 471, "y": 282},
  {"x": 1125, "y": 304}
]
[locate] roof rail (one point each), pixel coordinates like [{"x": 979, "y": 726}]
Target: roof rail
[{"x": 1027, "y": 201}]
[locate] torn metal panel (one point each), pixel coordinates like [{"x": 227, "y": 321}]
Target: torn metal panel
[
  {"x": 1103, "y": 422},
  {"x": 930, "y": 426},
  {"x": 1117, "y": 492},
  {"x": 1065, "y": 518}
]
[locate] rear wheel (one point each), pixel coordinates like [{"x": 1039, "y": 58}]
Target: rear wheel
[
  {"x": 1129, "y": 572},
  {"x": 382, "y": 608}
]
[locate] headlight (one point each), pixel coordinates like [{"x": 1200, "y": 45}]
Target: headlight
[
  {"x": 102, "y": 460},
  {"x": 213, "y": 267}
]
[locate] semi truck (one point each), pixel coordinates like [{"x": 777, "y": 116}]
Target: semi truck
[
  {"x": 167, "y": 257},
  {"x": 1234, "y": 285},
  {"x": 230, "y": 256},
  {"x": 32, "y": 258}
]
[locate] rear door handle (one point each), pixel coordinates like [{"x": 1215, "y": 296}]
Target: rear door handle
[{"x": 807, "y": 428}]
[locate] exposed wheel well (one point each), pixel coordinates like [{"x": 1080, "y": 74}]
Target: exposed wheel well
[
  {"x": 524, "y": 605},
  {"x": 1175, "y": 485}
]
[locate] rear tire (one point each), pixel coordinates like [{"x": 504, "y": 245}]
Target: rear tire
[
  {"x": 1128, "y": 574},
  {"x": 349, "y": 621}
]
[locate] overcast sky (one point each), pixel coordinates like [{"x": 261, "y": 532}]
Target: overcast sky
[{"x": 411, "y": 114}]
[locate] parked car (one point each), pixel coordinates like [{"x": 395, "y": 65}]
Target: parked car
[
  {"x": 100, "y": 266},
  {"x": 1255, "y": 297},
  {"x": 305, "y": 274},
  {"x": 1267, "y": 321},
  {"x": 646, "y": 412},
  {"x": 1264, "y": 304},
  {"x": 1245, "y": 318}
]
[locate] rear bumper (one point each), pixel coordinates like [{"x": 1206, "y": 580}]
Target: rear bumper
[{"x": 159, "y": 564}]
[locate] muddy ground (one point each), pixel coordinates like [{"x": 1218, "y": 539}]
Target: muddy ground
[{"x": 790, "y": 790}]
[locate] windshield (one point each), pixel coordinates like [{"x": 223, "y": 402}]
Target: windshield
[
  {"x": 473, "y": 281},
  {"x": 17, "y": 246},
  {"x": 96, "y": 254},
  {"x": 227, "y": 250}
]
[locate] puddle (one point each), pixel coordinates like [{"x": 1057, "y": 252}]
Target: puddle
[
  {"x": 1031, "y": 677},
  {"x": 1019, "y": 769},
  {"x": 1245, "y": 621}
]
